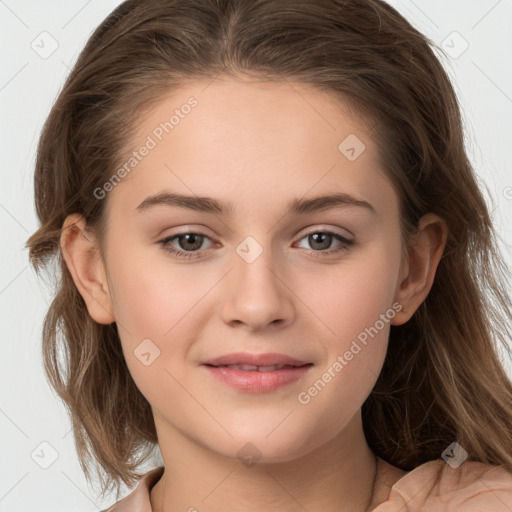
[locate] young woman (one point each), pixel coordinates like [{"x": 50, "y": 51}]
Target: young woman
[{"x": 276, "y": 264}]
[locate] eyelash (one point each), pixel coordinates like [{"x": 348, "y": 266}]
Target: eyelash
[{"x": 345, "y": 244}]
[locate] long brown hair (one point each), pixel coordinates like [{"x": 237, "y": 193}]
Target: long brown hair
[{"x": 442, "y": 379}]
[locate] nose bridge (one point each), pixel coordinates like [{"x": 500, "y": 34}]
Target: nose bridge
[{"x": 257, "y": 295}]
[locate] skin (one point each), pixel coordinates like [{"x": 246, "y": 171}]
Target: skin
[{"x": 258, "y": 146}]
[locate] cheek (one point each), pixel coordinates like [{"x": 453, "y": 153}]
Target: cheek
[
  {"x": 351, "y": 296},
  {"x": 354, "y": 304},
  {"x": 152, "y": 307},
  {"x": 152, "y": 296}
]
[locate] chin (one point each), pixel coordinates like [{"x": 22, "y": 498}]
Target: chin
[{"x": 260, "y": 447}]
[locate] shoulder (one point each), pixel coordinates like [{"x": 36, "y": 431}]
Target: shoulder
[
  {"x": 435, "y": 485},
  {"x": 139, "y": 499}
]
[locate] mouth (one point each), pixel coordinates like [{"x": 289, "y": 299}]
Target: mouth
[
  {"x": 255, "y": 368},
  {"x": 246, "y": 359},
  {"x": 257, "y": 373}
]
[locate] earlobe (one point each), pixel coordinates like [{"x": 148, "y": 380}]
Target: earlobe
[
  {"x": 424, "y": 255},
  {"x": 82, "y": 256}
]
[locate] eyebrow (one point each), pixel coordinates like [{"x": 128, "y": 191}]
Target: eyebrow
[{"x": 295, "y": 207}]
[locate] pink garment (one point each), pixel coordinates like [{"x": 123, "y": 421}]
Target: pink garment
[{"x": 431, "y": 487}]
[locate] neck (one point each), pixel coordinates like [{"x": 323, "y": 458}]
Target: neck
[{"x": 340, "y": 475}]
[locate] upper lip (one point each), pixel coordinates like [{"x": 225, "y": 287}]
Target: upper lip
[{"x": 268, "y": 359}]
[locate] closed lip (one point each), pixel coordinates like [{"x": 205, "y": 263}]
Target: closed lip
[{"x": 246, "y": 358}]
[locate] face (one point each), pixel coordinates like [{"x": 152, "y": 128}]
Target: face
[{"x": 311, "y": 289}]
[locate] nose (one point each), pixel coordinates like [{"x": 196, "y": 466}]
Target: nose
[{"x": 256, "y": 295}]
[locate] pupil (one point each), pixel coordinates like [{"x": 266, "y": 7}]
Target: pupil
[
  {"x": 322, "y": 237},
  {"x": 188, "y": 241}
]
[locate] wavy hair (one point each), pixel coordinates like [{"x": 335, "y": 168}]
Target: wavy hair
[{"x": 442, "y": 379}]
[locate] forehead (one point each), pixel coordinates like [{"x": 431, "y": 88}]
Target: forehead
[
  {"x": 229, "y": 138},
  {"x": 262, "y": 109}
]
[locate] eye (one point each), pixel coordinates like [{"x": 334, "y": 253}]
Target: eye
[
  {"x": 189, "y": 242},
  {"x": 323, "y": 240}
]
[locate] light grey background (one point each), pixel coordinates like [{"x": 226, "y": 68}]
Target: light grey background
[{"x": 30, "y": 79}]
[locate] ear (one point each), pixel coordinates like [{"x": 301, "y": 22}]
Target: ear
[
  {"x": 419, "y": 265},
  {"x": 82, "y": 256}
]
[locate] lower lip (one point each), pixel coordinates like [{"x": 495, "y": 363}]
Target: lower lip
[{"x": 256, "y": 381}]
